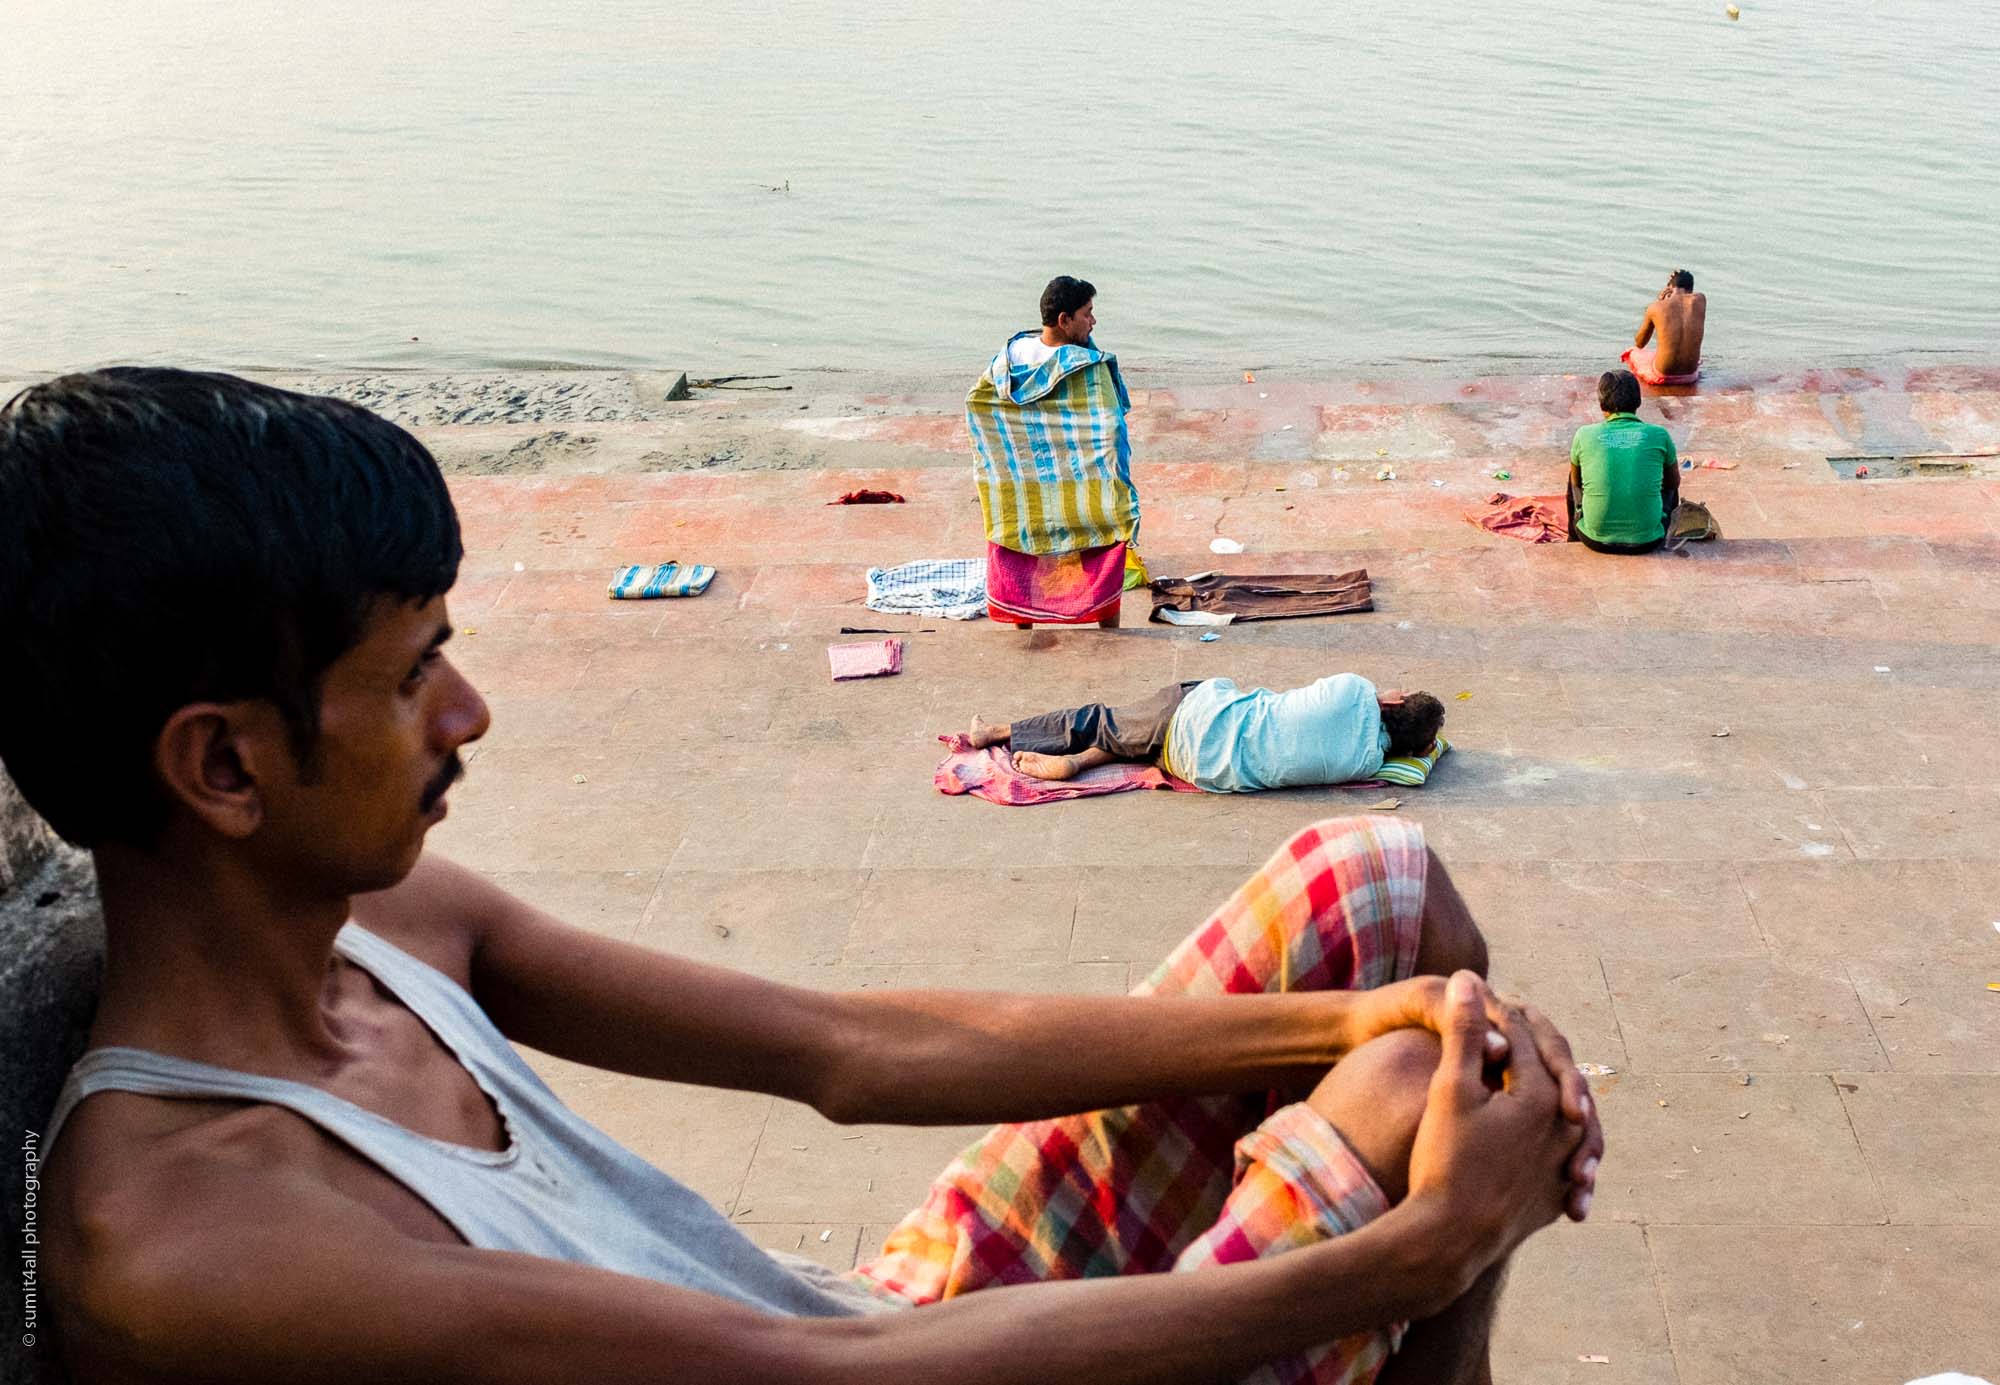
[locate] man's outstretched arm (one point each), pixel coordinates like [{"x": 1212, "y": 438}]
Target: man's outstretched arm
[
  {"x": 915, "y": 1057},
  {"x": 908, "y": 1056}
]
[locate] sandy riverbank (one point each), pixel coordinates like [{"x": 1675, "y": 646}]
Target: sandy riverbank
[{"x": 612, "y": 422}]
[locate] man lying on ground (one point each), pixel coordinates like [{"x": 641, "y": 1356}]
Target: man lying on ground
[
  {"x": 301, "y": 1147},
  {"x": 1227, "y": 739},
  {"x": 1624, "y": 475},
  {"x": 1673, "y": 325}
]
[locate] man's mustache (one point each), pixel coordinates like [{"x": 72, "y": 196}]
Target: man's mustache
[{"x": 453, "y": 771}]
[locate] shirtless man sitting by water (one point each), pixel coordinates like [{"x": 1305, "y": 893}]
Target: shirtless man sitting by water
[
  {"x": 301, "y": 1148},
  {"x": 1226, "y": 739},
  {"x": 1673, "y": 325}
]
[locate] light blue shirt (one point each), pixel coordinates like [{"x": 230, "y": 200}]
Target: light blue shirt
[{"x": 1227, "y": 739}]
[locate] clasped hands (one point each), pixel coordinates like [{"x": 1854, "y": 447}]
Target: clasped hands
[{"x": 1507, "y": 1092}]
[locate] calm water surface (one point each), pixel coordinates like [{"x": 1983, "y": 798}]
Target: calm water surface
[{"x": 236, "y": 182}]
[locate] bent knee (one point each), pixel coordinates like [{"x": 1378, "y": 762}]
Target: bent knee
[
  {"x": 1375, "y": 1098},
  {"x": 1399, "y": 1061}
]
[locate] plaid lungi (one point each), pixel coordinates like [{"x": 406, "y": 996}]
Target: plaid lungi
[{"x": 1193, "y": 1182}]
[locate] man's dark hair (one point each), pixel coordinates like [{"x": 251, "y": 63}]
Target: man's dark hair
[
  {"x": 1618, "y": 392},
  {"x": 1065, "y": 295},
  {"x": 1683, "y": 281},
  {"x": 168, "y": 537},
  {"x": 1413, "y": 724}
]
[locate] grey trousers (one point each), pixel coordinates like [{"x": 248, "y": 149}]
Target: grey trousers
[{"x": 1134, "y": 732}]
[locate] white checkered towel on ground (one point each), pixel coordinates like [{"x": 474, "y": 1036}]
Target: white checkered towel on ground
[{"x": 954, "y": 588}]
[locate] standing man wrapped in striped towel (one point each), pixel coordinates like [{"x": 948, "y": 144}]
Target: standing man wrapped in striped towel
[{"x": 1054, "y": 465}]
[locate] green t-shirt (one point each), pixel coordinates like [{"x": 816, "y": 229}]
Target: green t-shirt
[{"x": 1624, "y": 461}]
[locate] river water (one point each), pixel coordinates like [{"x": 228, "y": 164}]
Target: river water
[{"x": 241, "y": 183}]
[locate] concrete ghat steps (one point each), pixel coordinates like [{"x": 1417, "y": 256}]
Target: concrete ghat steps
[{"x": 1805, "y": 902}]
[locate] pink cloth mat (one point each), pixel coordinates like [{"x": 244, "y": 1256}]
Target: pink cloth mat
[
  {"x": 1529, "y": 518},
  {"x": 1639, "y": 360},
  {"x": 991, "y": 775},
  {"x": 866, "y": 659}
]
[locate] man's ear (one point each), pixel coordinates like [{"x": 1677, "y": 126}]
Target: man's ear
[{"x": 209, "y": 756}]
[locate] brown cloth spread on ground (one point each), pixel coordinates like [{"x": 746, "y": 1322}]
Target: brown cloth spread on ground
[
  {"x": 1260, "y": 596},
  {"x": 1530, "y": 518}
]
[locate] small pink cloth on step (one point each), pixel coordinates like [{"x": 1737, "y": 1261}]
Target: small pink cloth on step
[{"x": 866, "y": 659}]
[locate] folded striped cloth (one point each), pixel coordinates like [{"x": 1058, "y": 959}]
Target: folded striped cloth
[
  {"x": 953, "y": 588},
  {"x": 1412, "y": 770},
  {"x": 641, "y": 581}
]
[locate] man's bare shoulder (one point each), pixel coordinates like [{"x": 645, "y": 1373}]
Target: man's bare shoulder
[
  {"x": 130, "y": 1164},
  {"x": 142, "y": 1187}
]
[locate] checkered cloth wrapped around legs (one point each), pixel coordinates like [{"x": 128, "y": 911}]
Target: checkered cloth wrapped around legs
[{"x": 1193, "y": 1182}]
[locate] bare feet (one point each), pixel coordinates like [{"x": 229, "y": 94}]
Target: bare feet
[
  {"x": 985, "y": 733},
  {"x": 1038, "y": 766}
]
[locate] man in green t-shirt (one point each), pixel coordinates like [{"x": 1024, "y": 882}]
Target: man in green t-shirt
[{"x": 1624, "y": 477}]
